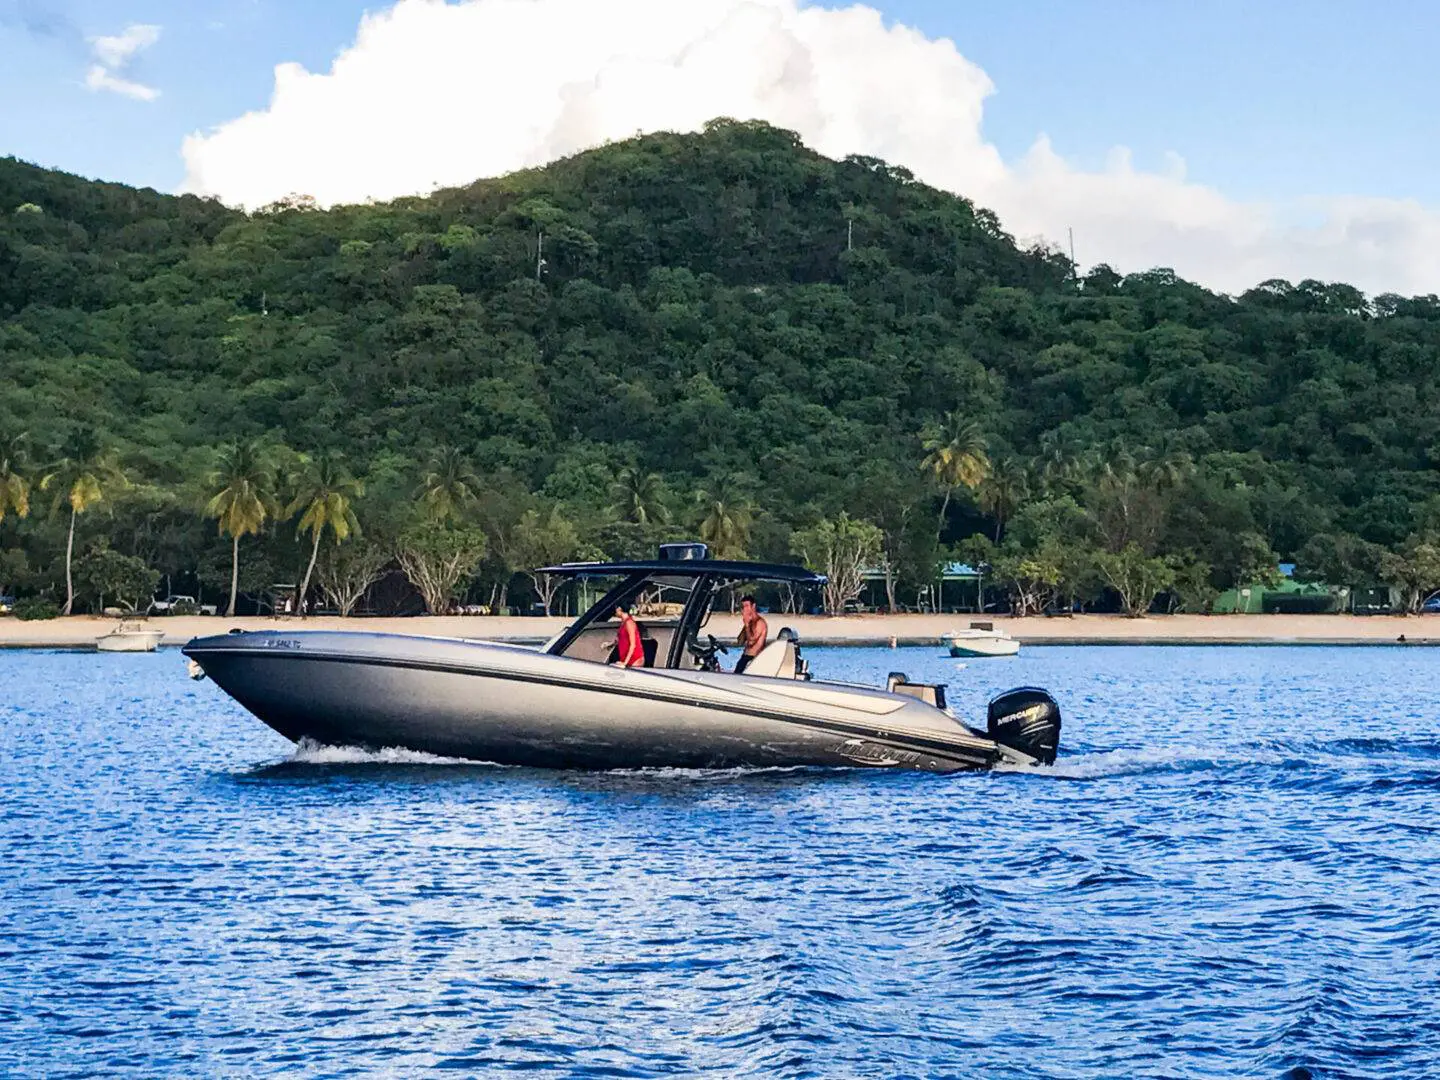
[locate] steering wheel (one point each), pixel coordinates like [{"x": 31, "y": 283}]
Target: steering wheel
[
  {"x": 702, "y": 651},
  {"x": 705, "y": 654}
]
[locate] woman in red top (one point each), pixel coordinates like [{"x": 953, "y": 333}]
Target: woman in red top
[{"x": 628, "y": 647}]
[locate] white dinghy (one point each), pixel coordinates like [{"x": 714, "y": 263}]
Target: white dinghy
[{"x": 981, "y": 639}]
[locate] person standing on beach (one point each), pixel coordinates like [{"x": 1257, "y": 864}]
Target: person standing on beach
[{"x": 753, "y": 631}]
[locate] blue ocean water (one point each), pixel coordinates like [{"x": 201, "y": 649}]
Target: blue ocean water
[{"x": 1231, "y": 872}]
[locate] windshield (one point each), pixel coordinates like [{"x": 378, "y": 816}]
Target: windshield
[{"x": 657, "y": 604}]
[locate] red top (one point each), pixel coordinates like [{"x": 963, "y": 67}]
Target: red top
[{"x": 632, "y": 652}]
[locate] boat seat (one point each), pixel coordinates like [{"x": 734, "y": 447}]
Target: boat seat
[
  {"x": 775, "y": 661},
  {"x": 930, "y": 693}
]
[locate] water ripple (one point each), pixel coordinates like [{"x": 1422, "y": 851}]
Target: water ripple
[{"x": 1229, "y": 873}]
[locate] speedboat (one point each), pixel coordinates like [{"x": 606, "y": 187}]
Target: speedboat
[
  {"x": 979, "y": 640},
  {"x": 568, "y": 704},
  {"x": 129, "y": 637}
]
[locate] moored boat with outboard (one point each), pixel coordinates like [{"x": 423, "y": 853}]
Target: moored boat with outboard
[
  {"x": 569, "y": 705},
  {"x": 980, "y": 639},
  {"x": 129, "y": 637}
]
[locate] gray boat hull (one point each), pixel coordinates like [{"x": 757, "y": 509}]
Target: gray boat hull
[{"x": 514, "y": 706}]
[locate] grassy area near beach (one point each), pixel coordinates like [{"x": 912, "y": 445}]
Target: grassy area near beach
[{"x": 81, "y": 631}]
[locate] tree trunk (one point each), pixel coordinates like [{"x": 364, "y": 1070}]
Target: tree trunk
[
  {"x": 234, "y": 576},
  {"x": 547, "y": 585},
  {"x": 944, "y": 510},
  {"x": 543, "y": 589},
  {"x": 69, "y": 553},
  {"x": 305, "y": 585}
]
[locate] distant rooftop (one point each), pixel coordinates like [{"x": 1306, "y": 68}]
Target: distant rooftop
[{"x": 954, "y": 571}]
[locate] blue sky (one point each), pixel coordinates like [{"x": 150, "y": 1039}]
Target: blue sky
[
  {"x": 214, "y": 61},
  {"x": 1289, "y": 115},
  {"x": 1263, "y": 100}
]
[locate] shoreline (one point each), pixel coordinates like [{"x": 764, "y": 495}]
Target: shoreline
[{"x": 81, "y": 631}]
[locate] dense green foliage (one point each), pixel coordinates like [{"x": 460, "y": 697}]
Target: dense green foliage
[
  {"x": 722, "y": 333},
  {"x": 35, "y": 609}
]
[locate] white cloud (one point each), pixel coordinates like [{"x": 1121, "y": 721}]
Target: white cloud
[
  {"x": 97, "y": 78},
  {"x": 113, "y": 54},
  {"x": 443, "y": 93}
]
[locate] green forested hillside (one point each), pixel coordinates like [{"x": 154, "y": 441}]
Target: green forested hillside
[{"x": 722, "y": 333}]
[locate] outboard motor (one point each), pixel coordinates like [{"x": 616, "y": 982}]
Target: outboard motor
[
  {"x": 1026, "y": 719},
  {"x": 802, "y": 666}
]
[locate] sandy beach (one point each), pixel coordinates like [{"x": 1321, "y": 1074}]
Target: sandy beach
[{"x": 81, "y": 631}]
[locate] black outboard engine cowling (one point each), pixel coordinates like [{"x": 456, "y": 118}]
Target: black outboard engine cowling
[{"x": 1026, "y": 719}]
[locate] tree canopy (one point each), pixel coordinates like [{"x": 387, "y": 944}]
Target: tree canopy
[{"x": 726, "y": 313}]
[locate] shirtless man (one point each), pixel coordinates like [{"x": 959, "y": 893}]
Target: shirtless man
[{"x": 752, "y": 633}]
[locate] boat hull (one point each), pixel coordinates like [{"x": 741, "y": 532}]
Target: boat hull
[
  {"x": 521, "y": 707},
  {"x": 981, "y": 647},
  {"x": 139, "y": 641}
]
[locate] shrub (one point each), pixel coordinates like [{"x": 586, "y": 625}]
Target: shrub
[{"x": 33, "y": 608}]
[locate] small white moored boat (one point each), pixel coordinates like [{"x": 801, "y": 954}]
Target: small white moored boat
[
  {"x": 981, "y": 639},
  {"x": 128, "y": 637}
]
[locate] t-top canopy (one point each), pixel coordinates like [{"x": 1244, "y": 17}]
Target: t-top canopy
[{"x": 721, "y": 568}]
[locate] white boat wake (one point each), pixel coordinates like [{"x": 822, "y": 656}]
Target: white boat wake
[
  {"x": 313, "y": 753},
  {"x": 1130, "y": 762}
]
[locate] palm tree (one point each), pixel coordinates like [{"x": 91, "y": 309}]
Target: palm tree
[
  {"x": 1167, "y": 470},
  {"x": 1114, "y": 465},
  {"x": 1058, "y": 467},
  {"x": 639, "y": 497},
  {"x": 1127, "y": 494},
  {"x": 726, "y": 518},
  {"x": 955, "y": 457},
  {"x": 79, "y": 480},
  {"x": 1001, "y": 493},
  {"x": 323, "y": 497},
  {"x": 243, "y": 499},
  {"x": 14, "y": 487},
  {"x": 449, "y": 485}
]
